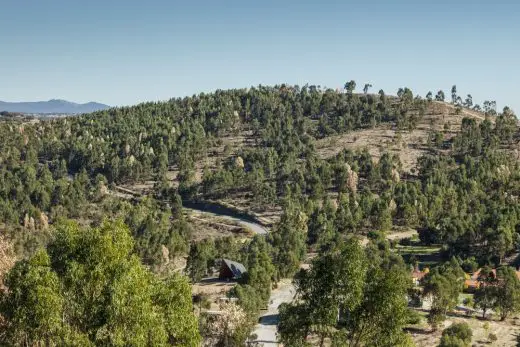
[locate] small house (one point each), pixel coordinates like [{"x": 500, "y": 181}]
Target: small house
[
  {"x": 475, "y": 280},
  {"x": 231, "y": 270},
  {"x": 418, "y": 275}
]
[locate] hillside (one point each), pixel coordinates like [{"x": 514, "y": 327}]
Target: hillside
[
  {"x": 51, "y": 107},
  {"x": 271, "y": 177}
]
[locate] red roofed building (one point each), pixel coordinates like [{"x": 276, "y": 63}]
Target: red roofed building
[{"x": 418, "y": 275}]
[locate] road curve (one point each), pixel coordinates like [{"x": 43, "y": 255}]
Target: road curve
[{"x": 254, "y": 227}]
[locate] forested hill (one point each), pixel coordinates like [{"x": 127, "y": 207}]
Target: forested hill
[
  {"x": 318, "y": 165},
  {"x": 253, "y": 147}
]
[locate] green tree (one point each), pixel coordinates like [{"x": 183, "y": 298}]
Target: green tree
[
  {"x": 457, "y": 335},
  {"x": 507, "y": 292},
  {"x": 348, "y": 299},
  {"x": 486, "y": 295},
  {"x": 111, "y": 299},
  {"x": 289, "y": 241},
  {"x": 443, "y": 285},
  {"x": 454, "y": 94},
  {"x": 33, "y": 307},
  {"x": 469, "y": 101},
  {"x": 350, "y": 86},
  {"x": 200, "y": 258}
]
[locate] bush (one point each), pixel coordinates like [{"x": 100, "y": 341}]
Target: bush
[
  {"x": 202, "y": 300},
  {"x": 407, "y": 241},
  {"x": 415, "y": 298},
  {"x": 470, "y": 265},
  {"x": 414, "y": 317},
  {"x": 457, "y": 335},
  {"x": 486, "y": 326}
]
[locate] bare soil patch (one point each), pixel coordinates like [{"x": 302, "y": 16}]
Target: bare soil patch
[
  {"x": 408, "y": 145},
  {"x": 506, "y": 332}
]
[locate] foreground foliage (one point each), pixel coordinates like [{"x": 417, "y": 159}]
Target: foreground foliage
[
  {"x": 87, "y": 288},
  {"x": 457, "y": 335},
  {"x": 350, "y": 296}
]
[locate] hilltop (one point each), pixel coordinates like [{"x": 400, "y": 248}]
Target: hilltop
[{"x": 438, "y": 119}]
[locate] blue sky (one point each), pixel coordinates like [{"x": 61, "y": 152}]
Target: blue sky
[{"x": 124, "y": 52}]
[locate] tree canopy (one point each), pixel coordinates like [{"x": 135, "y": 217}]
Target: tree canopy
[{"x": 88, "y": 288}]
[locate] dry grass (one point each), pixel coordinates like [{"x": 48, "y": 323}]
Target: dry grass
[
  {"x": 214, "y": 290},
  {"x": 209, "y": 226},
  {"x": 408, "y": 145},
  {"x": 506, "y": 332}
]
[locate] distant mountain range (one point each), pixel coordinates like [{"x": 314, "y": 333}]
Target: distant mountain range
[{"x": 53, "y": 106}]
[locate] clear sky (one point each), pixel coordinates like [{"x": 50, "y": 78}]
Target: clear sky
[{"x": 124, "y": 52}]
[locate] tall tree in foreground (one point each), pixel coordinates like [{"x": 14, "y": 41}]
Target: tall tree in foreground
[
  {"x": 443, "y": 285},
  {"x": 348, "y": 298},
  {"x": 88, "y": 288}
]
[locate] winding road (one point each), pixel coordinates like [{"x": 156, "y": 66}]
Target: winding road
[{"x": 254, "y": 227}]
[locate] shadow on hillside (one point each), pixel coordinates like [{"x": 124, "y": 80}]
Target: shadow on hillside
[
  {"x": 270, "y": 319},
  {"x": 214, "y": 280},
  {"x": 419, "y": 331}
]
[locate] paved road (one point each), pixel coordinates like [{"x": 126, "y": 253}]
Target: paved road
[
  {"x": 266, "y": 329},
  {"x": 254, "y": 227},
  {"x": 127, "y": 194}
]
